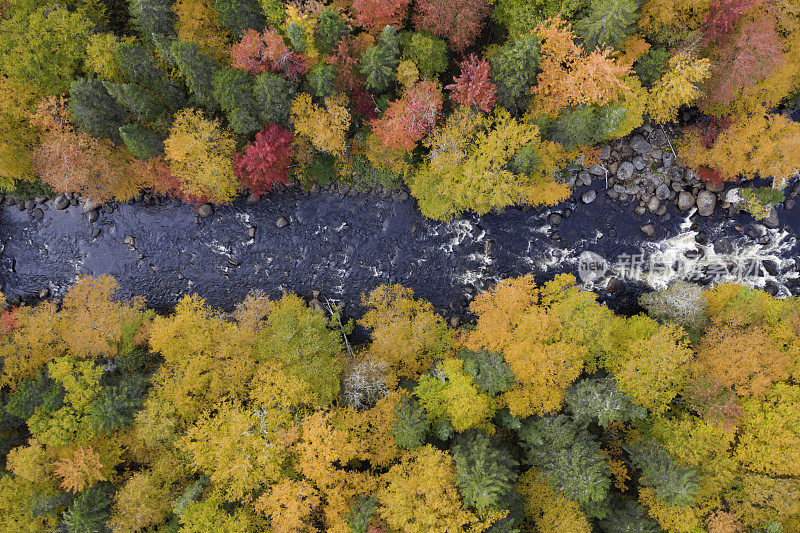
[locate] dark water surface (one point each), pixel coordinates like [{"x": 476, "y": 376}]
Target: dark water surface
[{"x": 346, "y": 246}]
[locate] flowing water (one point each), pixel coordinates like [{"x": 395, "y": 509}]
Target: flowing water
[{"x": 344, "y": 247}]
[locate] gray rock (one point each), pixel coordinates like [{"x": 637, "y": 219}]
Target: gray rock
[
  {"x": 668, "y": 158},
  {"x": 597, "y": 170},
  {"x": 206, "y": 210},
  {"x": 89, "y": 205},
  {"x": 661, "y": 210},
  {"x": 454, "y": 321},
  {"x": 772, "y": 221},
  {"x": 639, "y": 145},
  {"x": 130, "y": 241},
  {"x": 639, "y": 162},
  {"x": 44, "y": 293},
  {"x": 649, "y": 230},
  {"x": 653, "y": 204},
  {"x": 585, "y": 178},
  {"x": 676, "y": 173},
  {"x": 685, "y": 200},
  {"x": 316, "y": 305},
  {"x": 662, "y": 192},
  {"x": 281, "y": 222},
  {"x": 605, "y": 152},
  {"x": 705, "y": 203},
  {"x": 589, "y": 196},
  {"x": 554, "y": 219},
  {"x": 252, "y": 199},
  {"x": 251, "y": 233},
  {"x": 655, "y": 154},
  {"x": 640, "y": 210},
  {"x": 625, "y": 171},
  {"x": 789, "y": 204},
  {"x": 37, "y": 213},
  {"x": 93, "y": 215},
  {"x": 613, "y": 285}
]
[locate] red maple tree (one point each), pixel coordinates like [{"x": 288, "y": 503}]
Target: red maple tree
[
  {"x": 474, "y": 86},
  {"x": 265, "y": 163}
]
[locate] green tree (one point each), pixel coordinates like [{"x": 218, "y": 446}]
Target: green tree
[
  {"x": 93, "y": 110},
  {"x": 274, "y": 94},
  {"x": 379, "y": 62},
  {"x": 674, "y": 484},
  {"x": 484, "y": 471},
  {"x": 90, "y": 510},
  {"x": 330, "y": 29},
  {"x": 514, "y": 70},
  {"x": 198, "y": 69},
  {"x": 489, "y": 370},
  {"x": 233, "y": 90},
  {"x": 320, "y": 80},
  {"x": 601, "y": 399},
  {"x": 116, "y": 405},
  {"x": 143, "y": 143},
  {"x": 299, "y": 338},
  {"x": 608, "y": 23},
  {"x": 628, "y": 516},
  {"x": 143, "y": 104},
  {"x": 240, "y": 15},
  {"x": 153, "y": 17},
  {"x": 411, "y": 424},
  {"x": 43, "y": 50},
  {"x": 570, "y": 458},
  {"x": 428, "y": 52}
]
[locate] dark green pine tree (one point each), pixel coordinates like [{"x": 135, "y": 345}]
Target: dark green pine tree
[
  {"x": 320, "y": 80},
  {"x": 600, "y": 399},
  {"x": 137, "y": 63},
  {"x": 198, "y": 69},
  {"x": 140, "y": 102},
  {"x": 379, "y": 62},
  {"x": 41, "y": 391},
  {"x": 297, "y": 37},
  {"x": 233, "y": 91},
  {"x": 489, "y": 370},
  {"x": 570, "y": 458},
  {"x": 608, "y": 24},
  {"x": 153, "y": 17},
  {"x": 240, "y": 15},
  {"x": 95, "y": 111},
  {"x": 116, "y": 405},
  {"x": 274, "y": 94},
  {"x": 527, "y": 160},
  {"x": 514, "y": 71},
  {"x": 484, "y": 472},
  {"x": 674, "y": 484},
  {"x": 90, "y": 510},
  {"x": 361, "y": 513},
  {"x": 411, "y": 425},
  {"x": 627, "y": 516},
  {"x": 331, "y": 27},
  {"x": 143, "y": 143}
]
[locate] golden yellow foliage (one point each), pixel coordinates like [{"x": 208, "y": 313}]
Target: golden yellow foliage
[
  {"x": 549, "y": 510},
  {"x": 678, "y": 86},
  {"x": 511, "y": 321},
  {"x": 671, "y": 20},
  {"x": 200, "y": 152},
  {"x": 406, "y": 332},
  {"x": 673, "y": 518},
  {"x": 34, "y": 343},
  {"x": 326, "y": 127},
  {"x": 289, "y": 505},
  {"x": 198, "y": 23}
]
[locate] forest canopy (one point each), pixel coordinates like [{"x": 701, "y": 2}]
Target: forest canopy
[
  {"x": 550, "y": 414},
  {"x": 473, "y": 104}
]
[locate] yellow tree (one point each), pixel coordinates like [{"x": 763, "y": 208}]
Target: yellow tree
[
  {"x": 548, "y": 509},
  {"x": 419, "y": 494},
  {"x": 289, "y": 505},
  {"x": 81, "y": 470},
  {"x": 680, "y": 85},
  {"x": 325, "y": 126},
  {"x": 406, "y": 332},
  {"x": 33, "y": 343},
  {"x": 198, "y": 23},
  {"x": 200, "y": 152},
  {"x": 543, "y": 360}
]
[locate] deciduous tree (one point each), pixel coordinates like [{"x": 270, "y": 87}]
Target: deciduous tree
[
  {"x": 473, "y": 86},
  {"x": 265, "y": 163},
  {"x": 458, "y": 21}
]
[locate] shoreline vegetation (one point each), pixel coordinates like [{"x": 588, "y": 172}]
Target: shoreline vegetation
[
  {"x": 549, "y": 414},
  {"x": 473, "y": 106}
]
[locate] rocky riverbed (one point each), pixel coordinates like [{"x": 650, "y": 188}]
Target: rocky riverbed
[{"x": 650, "y": 220}]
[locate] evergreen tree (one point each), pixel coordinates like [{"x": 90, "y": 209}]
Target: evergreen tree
[
  {"x": 601, "y": 399},
  {"x": 153, "y": 17},
  {"x": 233, "y": 90},
  {"x": 116, "y": 406},
  {"x": 95, "y": 111},
  {"x": 137, "y": 63},
  {"x": 297, "y": 37},
  {"x": 320, "y": 80},
  {"x": 274, "y": 94},
  {"x": 41, "y": 393},
  {"x": 428, "y": 52},
  {"x": 142, "y": 103},
  {"x": 379, "y": 62},
  {"x": 484, "y": 472},
  {"x": 329, "y": 30},
  {"x": 628, "y": 516},
  {"x": 198, "y": 69},
  {"x": 570, "y": 458},
  {"x": 240, "y": 15},
  {"x": 608, "y": 23},
  {"x": 411, "y": 424},
  {"x": 90, "y": 510},
  {"x": 489, "y": 370},
  {"x": 514, "y": 70},
  {"x": 361, "y": 513},
  {"x": 143, "y": 143},
  {"x": 674, "y": 484}
]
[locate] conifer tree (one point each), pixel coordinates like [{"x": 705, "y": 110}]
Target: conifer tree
[
  {"x": 484, "y": 471},
  {"x": 379, "y": 62},
  {"x": 95, "y": 111},
  {"x": 233, "y": 91},
  {"x": 198, "y": 69}
]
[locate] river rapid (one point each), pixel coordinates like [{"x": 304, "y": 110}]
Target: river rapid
[{"x": 345, "y": 246}]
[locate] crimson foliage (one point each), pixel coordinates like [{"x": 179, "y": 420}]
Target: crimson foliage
[{"x": 265, "y": 163}]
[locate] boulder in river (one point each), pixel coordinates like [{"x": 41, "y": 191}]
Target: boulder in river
[
  {"x": 589, "y": 196},
  {"x": 206, "y": 210},
  {"x": 625, "y": 171},
  {"x": 771, "y": 221},
  {"x": 706, "y": 201},
  {"x": 61, "y": 202},
  {"x": 649, "y": 230},
  {"x": 685, "y": 200},
  {"x": 281, "y": 222}
]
